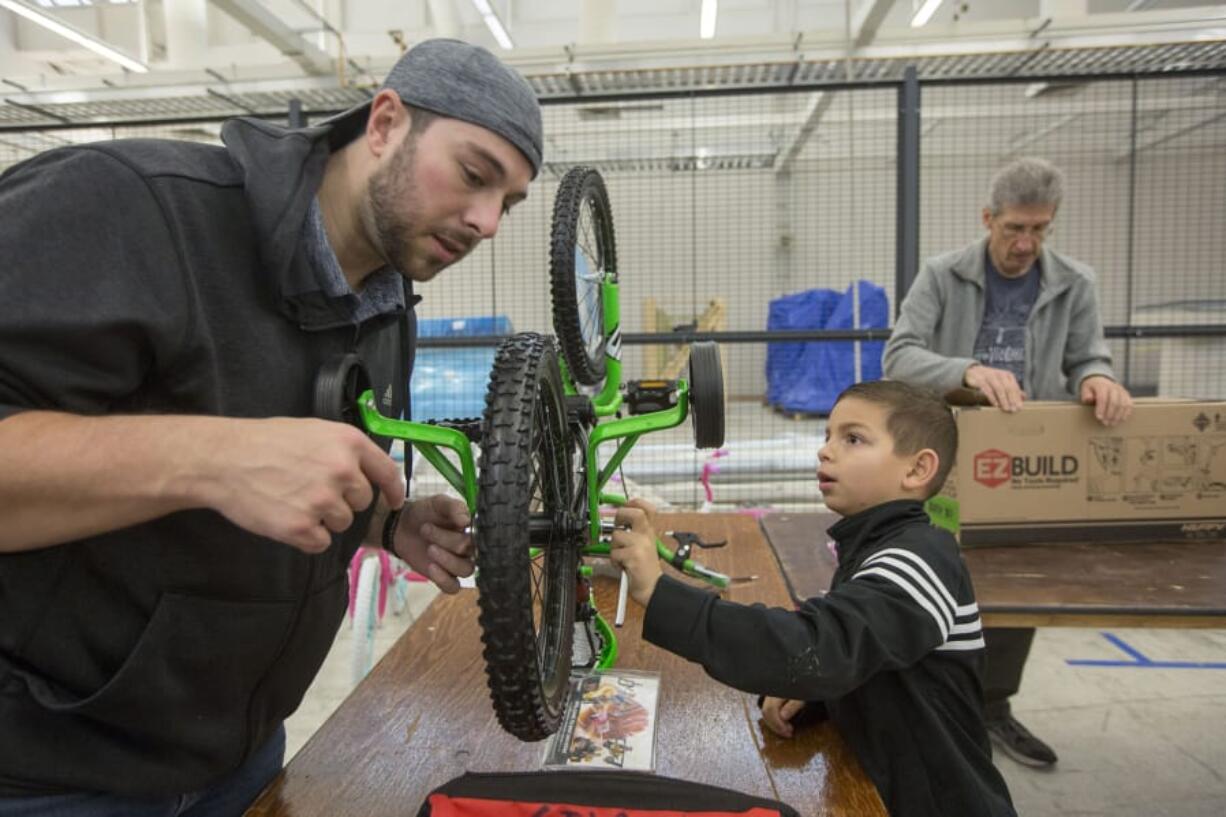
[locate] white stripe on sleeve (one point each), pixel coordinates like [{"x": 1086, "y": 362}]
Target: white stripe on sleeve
[
  {"x": 921, "y": 599},
  {"x": 940, "y": 598}
]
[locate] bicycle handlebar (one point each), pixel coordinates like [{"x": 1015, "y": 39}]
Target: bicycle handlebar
[{"x": 687, "y": 566}]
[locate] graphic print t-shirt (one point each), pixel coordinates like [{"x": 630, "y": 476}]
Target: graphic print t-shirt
[{"x": 1001, "y": 343}]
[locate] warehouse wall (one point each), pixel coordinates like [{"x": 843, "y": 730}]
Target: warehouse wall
[
  {"x": 690, "y": 229},
  {"x": 751, "y": 235}
]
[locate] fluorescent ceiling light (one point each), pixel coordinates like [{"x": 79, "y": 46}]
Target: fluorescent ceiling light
[
  {"x": 494, "y": 24},
  {"x": 706, "y": 22},
  {"x": 48, "y": 4},
  {"x": 34, "y": 14},
  {"x": 926, "y": 10}
]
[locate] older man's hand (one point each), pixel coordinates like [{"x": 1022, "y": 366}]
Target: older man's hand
[
  {"x": 999, "y": 386},
  {"x": 1112, "y": 402}
]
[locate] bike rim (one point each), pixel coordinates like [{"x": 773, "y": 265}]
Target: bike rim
[
  {"x": 590, "y": 262},
  {"x": 549, "y": 566}
]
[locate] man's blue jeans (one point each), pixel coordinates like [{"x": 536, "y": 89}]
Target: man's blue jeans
[{"x": 229, "y": 797}]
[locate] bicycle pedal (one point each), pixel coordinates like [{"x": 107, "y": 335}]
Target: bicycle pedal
[{"x": 646, "y": 396}]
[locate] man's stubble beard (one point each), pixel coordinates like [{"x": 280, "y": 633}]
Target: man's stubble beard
[{"x": 393, "y": 187}]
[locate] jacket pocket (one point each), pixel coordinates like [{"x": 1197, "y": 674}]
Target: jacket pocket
[
  {"x": 303, "y": 654},
  {"x": 188, "y": 680}
]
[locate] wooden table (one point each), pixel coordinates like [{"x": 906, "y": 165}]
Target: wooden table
[
  {"x": 423, "y": 715},
  {"x": 1156, "y": 584}
]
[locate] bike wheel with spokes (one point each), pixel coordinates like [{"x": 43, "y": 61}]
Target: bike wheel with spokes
[
  {"x": 527, "y": 534},
  {"x": 581, "y": 256}
]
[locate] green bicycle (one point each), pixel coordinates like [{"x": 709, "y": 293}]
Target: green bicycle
[{"x": 535, "y": 497}]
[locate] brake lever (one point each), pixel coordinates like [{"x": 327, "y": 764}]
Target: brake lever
[{"x": 689, "y": 539}]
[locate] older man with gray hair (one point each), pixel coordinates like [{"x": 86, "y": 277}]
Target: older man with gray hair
[{"x": 1013, "y": 319}]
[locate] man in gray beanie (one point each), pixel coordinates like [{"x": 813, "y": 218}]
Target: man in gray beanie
[
  {"x": 486, "y": 144},
  {"x": 461, "y": 81},
  {"x": 177, "y": 522}
]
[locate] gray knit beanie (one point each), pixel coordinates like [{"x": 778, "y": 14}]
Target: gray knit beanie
[{"x": 461, "y": 81}]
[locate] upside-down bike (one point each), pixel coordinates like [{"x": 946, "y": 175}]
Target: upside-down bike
[{"x": 536, "y": 493}]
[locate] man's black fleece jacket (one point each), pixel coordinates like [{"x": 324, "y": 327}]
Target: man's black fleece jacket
[{"x": 144, "y": 277}]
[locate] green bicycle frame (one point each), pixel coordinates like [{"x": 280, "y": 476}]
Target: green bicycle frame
[
  {"x": 428, "y": 439},
  {"x": 433, "y": 440},
  {"x": 628, "y": 429}
]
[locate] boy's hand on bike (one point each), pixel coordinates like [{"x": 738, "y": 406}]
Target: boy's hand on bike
[
  {"x": 633, "y": 548},
  {"x": 777, "y": 713},
  {"x": 431, "y": 537}
]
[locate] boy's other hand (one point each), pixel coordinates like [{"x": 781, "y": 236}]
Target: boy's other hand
[
  {"x": 633, "y": 548},
  {"x": 778, "y": 714}
]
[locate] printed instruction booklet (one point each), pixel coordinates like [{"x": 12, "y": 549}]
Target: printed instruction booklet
[{"x": 609, "y": 723}]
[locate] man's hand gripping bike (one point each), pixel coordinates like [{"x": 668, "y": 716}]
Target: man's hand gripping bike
[{"x": 536, "y": 494}]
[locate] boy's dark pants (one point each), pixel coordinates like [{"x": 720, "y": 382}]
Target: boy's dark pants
[{"x": 1007, "y": 649}]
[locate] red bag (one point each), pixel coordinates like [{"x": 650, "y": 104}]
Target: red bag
[{"x": 590, "y": 794}]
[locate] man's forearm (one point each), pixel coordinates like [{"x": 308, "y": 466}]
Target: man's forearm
[
  {"x": 64, "y": 476},
  {"x": 919, "y": 366}
]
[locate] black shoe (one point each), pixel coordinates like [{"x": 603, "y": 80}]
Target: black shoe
[{"x": 1018, "y": 743}]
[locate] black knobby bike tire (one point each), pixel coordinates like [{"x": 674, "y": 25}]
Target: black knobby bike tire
[
  {"x": 527, "y": 605},
  {"x": 707, "y": 394},
  {"x": 581, "y": 187}
]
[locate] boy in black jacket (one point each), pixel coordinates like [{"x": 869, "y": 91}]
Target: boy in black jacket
[{"x": 893, "y": 654}]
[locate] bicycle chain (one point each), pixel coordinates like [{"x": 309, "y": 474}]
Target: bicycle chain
[{"x": 470, "y": 427}]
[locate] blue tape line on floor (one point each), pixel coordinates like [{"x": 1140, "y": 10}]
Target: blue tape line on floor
[{"x": 1139, "y": 660}]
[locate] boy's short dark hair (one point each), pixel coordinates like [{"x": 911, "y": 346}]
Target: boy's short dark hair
[{"x": 917, "y": 418}]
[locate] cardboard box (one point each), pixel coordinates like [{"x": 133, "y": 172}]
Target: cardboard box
[{"x": 1052, "y": 473}]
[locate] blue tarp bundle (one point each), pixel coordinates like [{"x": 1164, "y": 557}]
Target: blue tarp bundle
[
  {"x": 807, "y": 377},
  {"x": 450, "y": 383}
]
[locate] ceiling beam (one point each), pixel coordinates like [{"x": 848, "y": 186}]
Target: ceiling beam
[
  {"x": 863, "y": 27},
  {"x": 867, "y": 20},
  {"x": 263, "y": 23},
  {"x": 187, "y": 32},
  {"x": 443, "y": 18},
  {"x": 190, "y": 84},
  {"x": 53, "y": 23},
  {"x": 1169, "y": 26}
]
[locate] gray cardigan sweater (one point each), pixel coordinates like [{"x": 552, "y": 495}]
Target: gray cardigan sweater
[{"x": 934, "y": 337}]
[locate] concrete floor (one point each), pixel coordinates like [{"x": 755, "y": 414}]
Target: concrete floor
[
  {"x": 1138, "y": 737},
  {"x": 1133, "y": 740}
]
